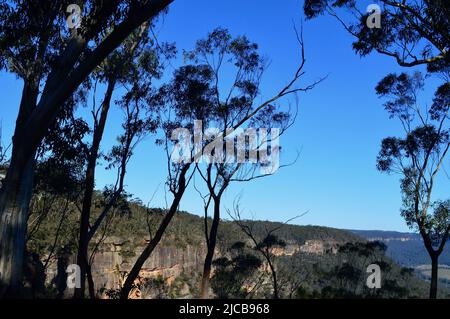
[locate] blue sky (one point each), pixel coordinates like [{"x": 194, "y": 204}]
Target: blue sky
[{"x": 338, "y": 131}]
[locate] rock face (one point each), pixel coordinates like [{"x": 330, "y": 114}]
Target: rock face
[
  {"x": 319, "y": 247},
  {"x": 289, "y": 250},
  {"x": 112, "y": 264},
  {"x": 114, "y": 260},
  {"x": 171, "y": 267}
]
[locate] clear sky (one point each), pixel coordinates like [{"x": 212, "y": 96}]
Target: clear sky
[{"x": 337, "y": 133}]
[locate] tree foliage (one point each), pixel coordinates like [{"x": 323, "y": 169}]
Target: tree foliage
[{"x": 412, "y": 32}]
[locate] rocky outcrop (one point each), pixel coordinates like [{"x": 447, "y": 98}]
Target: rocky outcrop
[
  {"x": 113, "y": 262},
  {"x": 319, "y": 247},
  {"x": 169, "y": 261}
]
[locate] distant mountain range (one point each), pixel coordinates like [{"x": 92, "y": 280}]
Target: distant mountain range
[{"x": 406, "y": 249}]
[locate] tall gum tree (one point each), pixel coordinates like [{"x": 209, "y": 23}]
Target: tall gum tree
[
  {"x": 52, "y": 63},
  {"x": 412, "y": 33}
]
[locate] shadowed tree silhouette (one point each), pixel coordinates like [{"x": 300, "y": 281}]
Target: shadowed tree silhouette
[
  {"x": 52, "y": 62},
  {"x": 412, "y": 32},
  {"x": 234, "y": 277},
  {"x": 419, "y": 158}
]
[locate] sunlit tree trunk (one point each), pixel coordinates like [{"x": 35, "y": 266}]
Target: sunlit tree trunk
[
  {"x": 14, "y": 205},
  {"x": 207, "y": 266},
  {"x": 15, "y": 197},
  {"x": 33, "y": 123}
]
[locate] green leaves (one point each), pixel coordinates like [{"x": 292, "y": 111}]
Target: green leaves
[{"x": 411, "y": 32}]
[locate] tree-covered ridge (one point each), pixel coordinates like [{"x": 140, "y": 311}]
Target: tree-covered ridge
[
  {"x": 327, "y": 273},
  {"x": 133, "y": 222}
]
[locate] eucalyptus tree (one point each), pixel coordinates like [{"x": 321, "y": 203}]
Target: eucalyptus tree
[
  {"x": 228, "y": 152},
  {"x": 52, "y": 62},
  {"x": 180, "y": 102},
  {"x": 133, "y": 67},
  {"x": 413, "y": 33},
  {"x": 419, "y": 157},
  {"x": 192, "y": 105}
]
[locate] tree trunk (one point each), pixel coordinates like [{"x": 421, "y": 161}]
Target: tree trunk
[
  {"x": 34, "y": 123},
  {"x": 134, "y": 272},
  {"x": 274, "y": 280},
  {"x": 83, "y": 243},
  {"x": 82, "y": 259},
  {"x": 14, "y": 204},
  {"x": 434, "y": 276},
  {"x": 15, "y": 197},
  {"x": 91, "y": 284},
  {"x": 207, "y": 267},
  {"x": 434, "y": 256}
]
